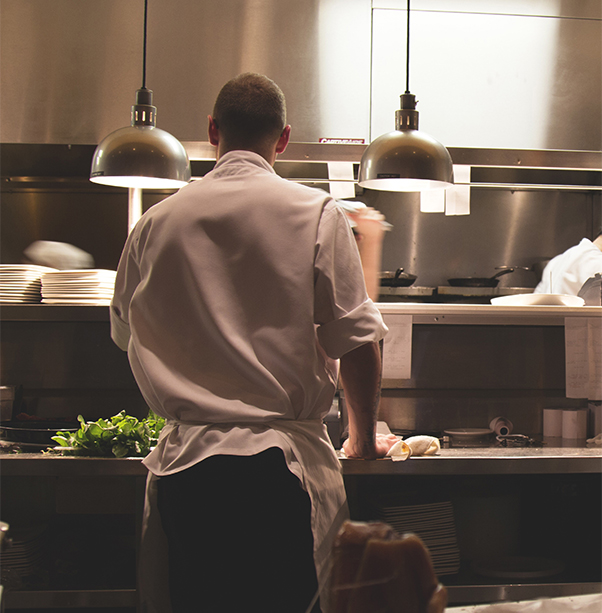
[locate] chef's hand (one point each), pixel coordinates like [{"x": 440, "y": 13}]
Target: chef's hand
[
  {"x": 369, "y": 233},
  {"x": 382, "y": 444},
  {"x": 369, "y": 224}
]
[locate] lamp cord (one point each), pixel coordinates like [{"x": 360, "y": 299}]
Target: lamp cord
[
  {"x": 408, "y": 52},
  {"x": 144, "y": 46}
]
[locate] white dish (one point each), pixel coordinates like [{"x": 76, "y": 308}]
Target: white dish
[
  {"x": 469, "y": 437},
  {"x": 539, "y": 300},
  {"x": 86, "y": 273},
  {"x": 82, "y": 302}
]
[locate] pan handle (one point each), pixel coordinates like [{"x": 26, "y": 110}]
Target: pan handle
[{"x": 504, "y": 270}]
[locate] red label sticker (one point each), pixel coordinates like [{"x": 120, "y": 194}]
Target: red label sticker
[{"x": 343, "y": 141}]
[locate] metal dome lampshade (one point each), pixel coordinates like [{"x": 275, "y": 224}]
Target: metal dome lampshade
[
  {"x": 406, "y": 160},
  {"x": 141, "y": 155}
]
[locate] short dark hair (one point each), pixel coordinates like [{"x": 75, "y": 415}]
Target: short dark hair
[{"x": 250, "y": 109}]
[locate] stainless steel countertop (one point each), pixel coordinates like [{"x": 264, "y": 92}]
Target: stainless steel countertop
[
  {"x": 486, "y": 460},
  {"x": 44, "y": 465},
  {"x": 471, "y": 461}
]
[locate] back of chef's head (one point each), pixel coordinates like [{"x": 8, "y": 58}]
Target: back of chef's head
[{"x": 250, "y": 109}]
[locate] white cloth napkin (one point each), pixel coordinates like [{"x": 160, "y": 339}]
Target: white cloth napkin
[
  {"x": 414, "y": 446},
  {"x": 400, "y": 451}
]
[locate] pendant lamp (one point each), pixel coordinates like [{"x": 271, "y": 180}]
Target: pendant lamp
[
  {"x": 141, "y": 155},
  {"x": 406, "y": 160}
]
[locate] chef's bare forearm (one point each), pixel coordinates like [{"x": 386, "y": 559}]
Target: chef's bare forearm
[{"x": 361, "y": 378}]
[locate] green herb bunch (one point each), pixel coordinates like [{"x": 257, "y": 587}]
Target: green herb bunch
[{"x": 119, "y": 436}]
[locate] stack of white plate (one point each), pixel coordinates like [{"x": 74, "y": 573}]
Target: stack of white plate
[
  {"x": 434, "y": 524},
  {"x": 21, "y": 283},
  {"x": 85, "y": 287},
  {"x": 24, "y": 557}
]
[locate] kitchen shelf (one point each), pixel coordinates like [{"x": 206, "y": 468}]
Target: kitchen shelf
[
  {"x": 487, "y": 314},
  {"x": 526, "y": 169},
  {"x": 454, "y": 463},
  {"x": 459, "y": 314},
  {"x": 70, "y": 599},
  {"x": 47, "y": 312},
  {"x": 98, "y": 481},
  {"x": 34, "y": 166},
  {"x": 509, "y": 505},
  {"x": 473, "y": 156}
]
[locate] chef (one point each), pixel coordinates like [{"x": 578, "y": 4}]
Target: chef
[
  {"x": 568, "y": 271},
  {"x": 240, "y": 299}
]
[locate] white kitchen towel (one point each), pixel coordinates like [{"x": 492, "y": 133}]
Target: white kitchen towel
[
  {"x": 424, "y": 445},
  {"x": 414, "y": 446}
]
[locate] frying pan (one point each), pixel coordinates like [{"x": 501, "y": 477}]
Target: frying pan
[
  {"x": 484, "y": 281},
  {"x": 34, "y": 433},
  {"x": 397, "y": 278}
]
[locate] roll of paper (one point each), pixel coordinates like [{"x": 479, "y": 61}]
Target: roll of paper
[
  {"x": 501, "y": 426},
  {"x": 574, "y": 423},
  {"x": 552, "y": 422}
]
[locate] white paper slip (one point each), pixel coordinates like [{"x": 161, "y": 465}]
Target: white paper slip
[
  {"x": 432, "y": 201},
  {"x": 341, "y": 189},
  {"x": 397, "y": 352},
  {"x": 340, "y": 175},
  {"x": 583, "y": 347}
]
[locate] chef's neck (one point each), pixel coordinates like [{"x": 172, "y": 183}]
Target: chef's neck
[{"x": 598, "y": 241}]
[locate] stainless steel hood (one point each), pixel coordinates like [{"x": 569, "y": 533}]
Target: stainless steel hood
[{"x": 513, "y": 75}]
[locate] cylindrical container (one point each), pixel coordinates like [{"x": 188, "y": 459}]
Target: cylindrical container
[
  {"x": 574, "y": 424},
  {"x": 552, "y": 423},
  {"x": 595, "y": 412},
  {"x": 7, "y": 398}
]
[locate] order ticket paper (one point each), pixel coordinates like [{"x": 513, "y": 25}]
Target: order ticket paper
[
  {"x": 583, "y": 347},
  {"x": 397, "y": 352}
]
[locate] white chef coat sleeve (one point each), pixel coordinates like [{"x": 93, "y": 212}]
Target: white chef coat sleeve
[
  {"x": 566, "y": 273},
  {"x": 345, "y": 316},
  {"x": 126, "y": 281}
]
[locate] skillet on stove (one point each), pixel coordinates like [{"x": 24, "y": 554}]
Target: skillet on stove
[{"x": 484, "y": 281}]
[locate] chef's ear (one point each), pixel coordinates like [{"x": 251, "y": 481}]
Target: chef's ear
[
  {"x": 213, "y": 131},
  {"x": 283, "y": 140}
]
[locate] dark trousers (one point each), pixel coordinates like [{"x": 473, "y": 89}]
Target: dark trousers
[{"x": 239, "y": 536}]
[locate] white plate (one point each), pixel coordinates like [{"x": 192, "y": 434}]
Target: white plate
[
  {"x": 86, "y": 273},
  {"x": 10, "y": 291},
  {"x": 80, "y": 301},
  {"x": 79, "y": 284},
  {"x": 539, "y": 300}
]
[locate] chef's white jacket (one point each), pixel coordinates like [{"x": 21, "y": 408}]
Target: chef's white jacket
[
  {"x": 234, "y": 298},
  {"x": 567, "y": 272}
]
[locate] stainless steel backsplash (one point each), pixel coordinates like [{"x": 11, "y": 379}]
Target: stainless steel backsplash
[{"x": 487, "y": 73}]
